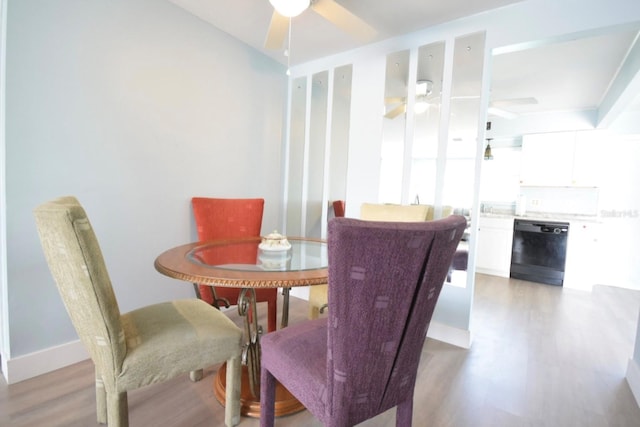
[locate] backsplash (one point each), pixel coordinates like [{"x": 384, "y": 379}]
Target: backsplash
[{"x": 564, "y": 200}]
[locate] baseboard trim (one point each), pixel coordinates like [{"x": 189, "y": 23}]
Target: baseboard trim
[
  {"x": 40, "y": 362},
  {"x": 633, "y": 378},
  {"x": 449, "y": 334},
  {"x": 492, "y": 272}
]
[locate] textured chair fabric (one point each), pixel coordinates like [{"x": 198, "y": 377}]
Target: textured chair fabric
[
  {"x": 233, "y": 218},
  {"x": 384, "y": 282},
  {"x": 318, "y": 295},
  {"x": 139, "y": 348}
]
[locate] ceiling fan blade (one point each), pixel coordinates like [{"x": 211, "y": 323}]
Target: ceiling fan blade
[
  {"x": 396, "y": 111},
  {"x": 465, "y": 97},
  {"x": 277, "y": 31},
  {"x": 343, "y": 19},
  {"x": 501, "y": 113},
  {"x": 514, "y": 101}
]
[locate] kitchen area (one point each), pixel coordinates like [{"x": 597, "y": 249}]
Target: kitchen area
[{"x": 561, "y": 208}]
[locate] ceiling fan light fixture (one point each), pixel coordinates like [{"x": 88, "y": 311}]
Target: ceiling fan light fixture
[
  {"x": 290, "y": 8},
  {"x": 421, "y": 106},
  {"x": 424, "y": 87}
]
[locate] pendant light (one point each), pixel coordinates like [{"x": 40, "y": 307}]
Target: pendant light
[{"x": 487, "y": 150}]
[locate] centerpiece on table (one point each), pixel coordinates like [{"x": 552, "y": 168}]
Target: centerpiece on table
[{"x": 273, "y": 252}]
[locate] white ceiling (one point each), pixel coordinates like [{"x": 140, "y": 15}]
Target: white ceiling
[
  {"x": 562, "y": 76},
  {"x": 314, "y": 37},
  {"x": 567, "y": 76}
]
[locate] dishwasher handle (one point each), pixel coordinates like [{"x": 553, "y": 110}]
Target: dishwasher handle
[{"x": 553, "y": 229}]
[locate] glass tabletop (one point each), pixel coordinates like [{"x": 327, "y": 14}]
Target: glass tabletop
[{"x": 247, "y": 256}]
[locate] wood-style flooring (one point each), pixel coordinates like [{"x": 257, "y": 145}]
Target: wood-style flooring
[{"x": 542, "y": 356}]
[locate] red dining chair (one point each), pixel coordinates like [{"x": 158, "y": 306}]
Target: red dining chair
[
  {"x": 338, "y": 208},
  {"x": 226, "y": 219}
]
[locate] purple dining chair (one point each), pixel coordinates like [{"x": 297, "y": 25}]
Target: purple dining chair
[{"x": 384, "y": 281}]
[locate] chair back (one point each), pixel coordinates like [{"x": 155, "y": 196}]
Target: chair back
[
  {"x": 338, "y": 208},
  {"x": 218, "y": 218},
  {"x": 76, "y": 263},
  {"x": 227, "y": 218},
  {"x": 389, "y": 212},
  {"x": 384, "y": 281}
]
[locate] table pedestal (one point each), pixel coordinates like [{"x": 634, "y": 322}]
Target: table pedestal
[{"x": 286, "y": 403}]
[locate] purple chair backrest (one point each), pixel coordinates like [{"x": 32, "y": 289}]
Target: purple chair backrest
[{"x": 384, "y": 281}]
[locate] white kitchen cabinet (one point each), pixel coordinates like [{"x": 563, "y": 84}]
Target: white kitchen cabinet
[
  {"x": 581, "y": 267},
  {"x": 547, "y": 159},
  {"x": 560, "y": 159},
  {"x": 495, "y": 236},
  {"x": 587, "y": 158}
]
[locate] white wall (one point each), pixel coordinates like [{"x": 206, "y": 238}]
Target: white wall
[{"x": 134, "y": 107}]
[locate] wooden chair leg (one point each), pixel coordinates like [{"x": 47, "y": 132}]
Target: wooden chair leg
[{"x": 272, "y": 313}]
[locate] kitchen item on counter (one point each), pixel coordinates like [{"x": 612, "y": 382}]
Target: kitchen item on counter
[
  {"x": 539, "y": 251},
  {"x": 521, "y": 205}
]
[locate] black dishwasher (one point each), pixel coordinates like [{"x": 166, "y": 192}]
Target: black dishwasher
[{"x": 539, "y": 251}]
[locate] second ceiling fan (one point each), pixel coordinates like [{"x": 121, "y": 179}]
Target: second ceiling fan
[{"x": 328, "y": 9}]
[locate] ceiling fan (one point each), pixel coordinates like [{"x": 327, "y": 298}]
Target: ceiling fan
[
  {"x": 424, "y": 100},
  {"x": 328, "y": 9}
]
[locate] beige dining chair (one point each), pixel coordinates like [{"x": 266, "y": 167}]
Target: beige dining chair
[{"x": 145, "y": 346}]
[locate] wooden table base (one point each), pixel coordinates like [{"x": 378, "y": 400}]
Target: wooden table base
[{"x": 286, "y": 403}]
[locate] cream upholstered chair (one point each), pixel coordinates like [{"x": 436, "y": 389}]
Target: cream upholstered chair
[
  {"x": 139, "y": 348},
  {"x": 397, "y": 213},
  {"x": 318, "y": 295}
]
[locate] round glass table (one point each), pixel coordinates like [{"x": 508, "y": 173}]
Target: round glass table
[{"x": 240, "y": 263}]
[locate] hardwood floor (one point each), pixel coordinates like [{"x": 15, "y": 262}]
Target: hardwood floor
[{"x": 542, "y": 356}]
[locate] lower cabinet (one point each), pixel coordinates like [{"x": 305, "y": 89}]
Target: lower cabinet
[
  {"x": 495, "y": 236},
  {"x": 581, "y": 267}
]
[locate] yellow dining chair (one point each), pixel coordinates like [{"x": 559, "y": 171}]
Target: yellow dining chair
[{"x": 145, "y": 346}]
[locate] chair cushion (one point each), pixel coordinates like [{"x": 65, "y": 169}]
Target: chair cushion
[
  {"x": 282, "y": 352},
  {"x": 167, "y": 339}
]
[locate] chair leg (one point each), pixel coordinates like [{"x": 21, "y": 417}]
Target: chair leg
[
  {"x": 232, "y": 392},
  {"x": 196, "y": 376},
  {"x": 314, "y": 311},
  {"x": 267, "y": 398},
  {"x": 404, "y": 413},
  {"x": 272, "y": 314},
  {"x": 101, "y": 400},
  {"x": 117, "y": 409}
]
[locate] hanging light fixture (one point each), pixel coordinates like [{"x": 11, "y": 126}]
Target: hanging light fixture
[
  {"x": 487, "y": 150},
  {"x": 290, "y": 8}
]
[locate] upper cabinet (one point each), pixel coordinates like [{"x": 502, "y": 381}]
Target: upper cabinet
[
  {"x": 560, "y": 159},
  {"x": 587, "y": 157}
]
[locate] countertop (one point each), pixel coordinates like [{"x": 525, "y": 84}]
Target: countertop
[{"x": 542, "y": 216}]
